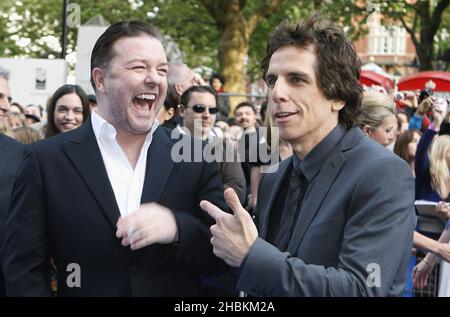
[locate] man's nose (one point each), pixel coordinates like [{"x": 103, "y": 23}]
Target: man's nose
[
  {"x": 153, "y": 78},
  {"x": 278, "y": 91}
]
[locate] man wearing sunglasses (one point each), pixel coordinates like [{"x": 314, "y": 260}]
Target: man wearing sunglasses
[{"x": 199, "y": 110}]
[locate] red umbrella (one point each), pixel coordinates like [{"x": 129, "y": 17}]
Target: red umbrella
[
  {"x": 419, "y": 80},
  {"x": 370, "y": 78}
]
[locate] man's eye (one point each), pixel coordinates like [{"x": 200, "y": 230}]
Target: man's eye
[
  {"x": 138, "y": 67},
  {"x": 163, "y": 71},
  {"x": 296, "y": 79},
  {"x": 270, "y": 82}
]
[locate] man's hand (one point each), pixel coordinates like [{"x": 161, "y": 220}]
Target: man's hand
[
  {"x": 233, "y": 235},
  {"x": 151, "y": 223},
  {"x": 411, "y": 100},
  {"x": 424, "y": 106}
]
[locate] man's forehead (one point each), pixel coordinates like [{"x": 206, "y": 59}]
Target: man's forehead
[
  {"x": 244, "y": 109},
  {"x": 302, "y": 54},
  {"x": 138, "y": 42},
  {"x": 201, "y": 95}
]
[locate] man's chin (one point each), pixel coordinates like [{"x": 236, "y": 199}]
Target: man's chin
[{"x": 141, "y": 125}]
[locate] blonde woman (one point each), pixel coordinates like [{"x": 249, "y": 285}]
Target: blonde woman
[
  {"x": 377, "y": 118},
  {"x": 433, "y": 183}
]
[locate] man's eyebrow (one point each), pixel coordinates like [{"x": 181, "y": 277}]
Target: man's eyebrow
[
  {"x": 269, "y": 75},
  {"x": 145, "y": 62}
]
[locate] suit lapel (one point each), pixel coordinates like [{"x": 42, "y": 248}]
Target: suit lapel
[
  {"x": 315, "y": 197},
  {"x": 159, "y": 166},
  {"x": 263, "y": 214},
  {"x": 321, "y": 186},
  {"x": 84, "y": 153}
]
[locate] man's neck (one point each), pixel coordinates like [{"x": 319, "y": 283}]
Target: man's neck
[
  {"x": 307, "y": 143},
  {"x": 250, "y": 129},
  {"x": 131, "y": 145}
]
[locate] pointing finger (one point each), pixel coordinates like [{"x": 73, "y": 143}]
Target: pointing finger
[
  {"x": 214, "y": 211},
  {"x": 232, "y": 200}
]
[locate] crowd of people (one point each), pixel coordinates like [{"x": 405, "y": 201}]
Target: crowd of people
[{"x": 304, "y": 207}]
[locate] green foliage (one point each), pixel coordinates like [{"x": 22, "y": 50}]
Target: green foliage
[{"x": 187, "y": 22}]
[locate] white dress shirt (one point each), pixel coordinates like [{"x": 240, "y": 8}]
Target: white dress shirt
[{"x": 127, "y": 183}]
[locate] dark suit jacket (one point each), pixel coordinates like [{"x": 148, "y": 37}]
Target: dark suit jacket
[
  {"x": 354, "y": 233},
  {"x": 11, "y": 155},
  {"x": 64, "y": 207}
]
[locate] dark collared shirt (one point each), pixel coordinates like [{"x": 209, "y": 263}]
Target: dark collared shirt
[
  {"x": 309, "y": 167},
  {"x": 312, "y": 163}
]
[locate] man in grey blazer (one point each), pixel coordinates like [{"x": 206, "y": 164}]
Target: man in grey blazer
[{"x": 337, "y": 218}]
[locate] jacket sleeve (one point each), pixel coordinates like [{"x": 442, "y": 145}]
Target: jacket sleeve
[
  {"x": 26, "y": 257},
  {"x": 193, "y": 248},
  {"x": 422, "y": 161},
  {"x": 377, "y": 236}
]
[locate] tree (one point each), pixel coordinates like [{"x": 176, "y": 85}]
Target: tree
[
  {"x": 236, "y": 25},
  {"x": 422, "y": 20},
  {"x": 227, "y": 35},
  {"x": 37, "y": 24}
]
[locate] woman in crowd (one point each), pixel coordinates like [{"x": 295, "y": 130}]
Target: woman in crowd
[
  {"x": 402, "y": 123},
  {"x": 433, "y": 184},
  {"x": 16, "y": 108},
  {"x": 406, "y": 145},
  {"x": 16, "y": 120},
  {"x": 377, "y": 118},
  {"x": 67, "y": 110}
]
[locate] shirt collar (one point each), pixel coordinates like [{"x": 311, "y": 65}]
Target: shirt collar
[
  {"x": 103, "y": 129},
  {"x": 313, "y": 162}
]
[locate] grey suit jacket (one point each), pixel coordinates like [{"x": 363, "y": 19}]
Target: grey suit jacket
[{"x": 353, "y": 236}]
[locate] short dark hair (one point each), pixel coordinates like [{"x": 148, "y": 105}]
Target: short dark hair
[
  {"x": 186, "y": 96},
  {"x": 338, "y": 67},
  {"x": 172, "y": 98},
  {"x": 217, "y": 76},
  {"x": 244, "y": 104},
  {"x": 51, "y": 128},
  {"x": 102, "y": 53}
]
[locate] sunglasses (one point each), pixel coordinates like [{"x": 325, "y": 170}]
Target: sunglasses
[{"x": 201, "y": 108}]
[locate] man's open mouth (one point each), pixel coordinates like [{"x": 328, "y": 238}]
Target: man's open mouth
[{"x": 144, "y": 102}]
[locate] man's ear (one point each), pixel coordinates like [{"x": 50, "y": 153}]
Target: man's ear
[
  {"x": 178, "y": 89},
  {"x": 97, "y": 76},
  {"x": 366, "y": 129},
  {"x": 169, "y": 114},
  {"x": 337, "y": 105}
]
